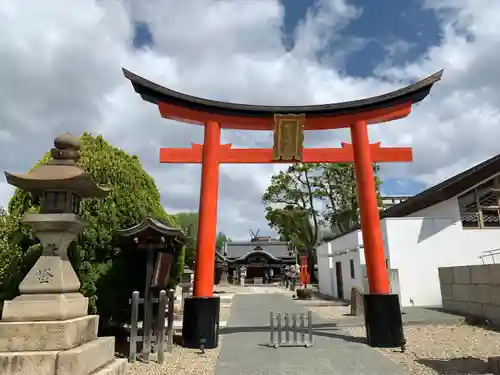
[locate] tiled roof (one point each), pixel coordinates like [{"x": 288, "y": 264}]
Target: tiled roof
[{"x": 277, "y": 249}]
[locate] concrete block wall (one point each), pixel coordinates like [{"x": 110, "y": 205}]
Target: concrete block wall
[{"x": 472, "y": 290}]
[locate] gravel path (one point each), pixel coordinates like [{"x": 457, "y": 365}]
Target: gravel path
[
  {"x": 432, "y": 349},
  {"x": 183, "y": 361},
  {"x": 443, "y": 349}
]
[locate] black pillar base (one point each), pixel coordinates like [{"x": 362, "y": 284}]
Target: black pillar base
[
  {"x": 383, "y": 321},
  {"x": 200, "y": 323}
]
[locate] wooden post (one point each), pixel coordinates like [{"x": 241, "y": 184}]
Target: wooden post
[
  {"x": 160, "y": 328},
  {"x": 170, "y": 320},
  {"x": 134, "y": 316},
  {"x": 148, "y": 304}
]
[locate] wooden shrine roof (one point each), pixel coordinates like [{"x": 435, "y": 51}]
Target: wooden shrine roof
[
  {"x": 155, "y": 226},
  {"x": 277, "y": 249},
  {"x": 194, "y": 109}
]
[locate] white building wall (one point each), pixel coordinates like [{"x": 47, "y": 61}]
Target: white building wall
[
  {"x": 445, "y": 210},
  {"x": 418, "y": 246},
  {"x": 483, "y": 240},
  {"x": 348, "y": 282},
  {"x": 342, "y": 249},
  {"x": 431, "y": 238},
  {"x": 325, "y": 265},
  {"x": 415, "y": 246}
]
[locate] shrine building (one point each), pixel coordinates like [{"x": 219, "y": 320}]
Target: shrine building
[
  {"x": 454, "y": 223},
  {"x": 263, "y": 257}
]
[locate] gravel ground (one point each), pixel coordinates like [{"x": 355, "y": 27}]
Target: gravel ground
[
  {"x": 443, "y": 349},
  {"x": 431, "y": 348},
  {"x": 183, "y": 361}
]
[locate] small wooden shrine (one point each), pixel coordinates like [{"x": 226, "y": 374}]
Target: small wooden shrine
[
  {"x": 152, "y": 246},
  {"x": 158, "y": 244}
]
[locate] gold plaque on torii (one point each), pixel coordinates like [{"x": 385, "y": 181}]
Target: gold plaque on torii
[{"x": 288, "y": 137}]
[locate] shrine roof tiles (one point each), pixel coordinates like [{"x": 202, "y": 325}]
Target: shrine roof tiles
[
  {"x": 151, "y": 224},
  {"x": 277, "y": 249}
]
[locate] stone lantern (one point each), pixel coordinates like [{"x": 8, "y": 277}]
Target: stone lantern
[
  {"x": 50, "y": 289},
  {"x": 46, "y": 330},
  {"x": 186, "y": 284},
  {"x": 187, "y": 276}
]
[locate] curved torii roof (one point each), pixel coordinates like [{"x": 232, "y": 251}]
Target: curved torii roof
[{"x": 182, "y": 107}]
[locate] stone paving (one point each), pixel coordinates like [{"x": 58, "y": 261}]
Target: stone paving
[{"x": 245, "y": 351}]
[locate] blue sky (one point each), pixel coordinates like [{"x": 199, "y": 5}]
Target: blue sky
[
  {"x": 456, "y": 127},
  {"x": 382, "y": 23}
]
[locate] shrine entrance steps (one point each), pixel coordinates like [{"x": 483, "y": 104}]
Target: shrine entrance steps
[{"x": 245, "y": 344}]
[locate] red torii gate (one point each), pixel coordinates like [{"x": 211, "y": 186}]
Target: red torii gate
[{"x": 214, "y": 115}]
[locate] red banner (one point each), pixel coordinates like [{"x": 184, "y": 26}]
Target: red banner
[{"x": 304, "y": 272}]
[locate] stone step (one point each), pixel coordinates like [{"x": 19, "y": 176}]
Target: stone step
[
  {"x": 81, "y": 360},
  {"x": 47, "y": 336},
  {"x": 116, "y": 367},
  {"x": 86, "y": 358},
  {"x": 28, "y": 363}
]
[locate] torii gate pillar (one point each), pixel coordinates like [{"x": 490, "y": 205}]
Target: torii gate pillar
[
  {"x": 377, "y": 273},
  {"x": 207, "y": 214}
]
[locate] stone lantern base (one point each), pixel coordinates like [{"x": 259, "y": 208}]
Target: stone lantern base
[
  {"x": 58, "y": 347},
  {"x": 46, "y": 330}
]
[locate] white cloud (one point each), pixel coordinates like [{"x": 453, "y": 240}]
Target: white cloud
[{"x": 61, "y": 65}]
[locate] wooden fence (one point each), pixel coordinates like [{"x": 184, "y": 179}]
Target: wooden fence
[{"x": 152, "y": 337}]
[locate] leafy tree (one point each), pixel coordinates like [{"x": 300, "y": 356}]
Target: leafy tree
[
  {"x": 336, "y": 187},
  {"x": 302, "y": 199},
  {"x": 188, "y": 222},
  {"x": 105, "y": 275},
  {"x": 290, "y": 203},
  {"x": 12, "y": 258},
  {"x": 220, "y": 242}
]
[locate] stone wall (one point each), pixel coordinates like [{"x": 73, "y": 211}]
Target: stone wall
[{"x": 473, "y": 290}]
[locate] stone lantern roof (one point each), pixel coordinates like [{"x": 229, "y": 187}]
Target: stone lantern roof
[{"x": 60, "y": 173}]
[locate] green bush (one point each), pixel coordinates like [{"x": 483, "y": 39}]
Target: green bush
[{"x": 107, "y": 275}]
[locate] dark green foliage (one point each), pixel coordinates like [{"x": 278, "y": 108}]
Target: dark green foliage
[
  {"x": 220, "y": 242},
  {"x": 14, "y": 262},
  {"x": 177, "y": 269},
  {"x": 106, "y": 275},
  {"x": 188, "y": 221}
]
